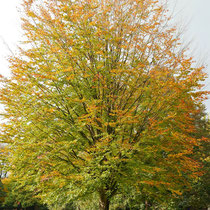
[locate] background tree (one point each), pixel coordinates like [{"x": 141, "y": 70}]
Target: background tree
[
  {"x": 2, "y": 176},
  {"x": 2, "y": 193},
  {"x": 101, "y": 99},
  {"x": 199, "y": 195},
  {"x": 15, "y": 193}
]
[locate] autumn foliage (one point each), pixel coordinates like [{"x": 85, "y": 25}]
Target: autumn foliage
[{"x": 101, "y": 99}]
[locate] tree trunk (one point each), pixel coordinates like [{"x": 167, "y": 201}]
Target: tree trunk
[
  {"x": 104, "y": 201},
  {"x": 146, "y": 205}
]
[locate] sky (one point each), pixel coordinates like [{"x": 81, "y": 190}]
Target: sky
[{"x": 194, "y": 15}]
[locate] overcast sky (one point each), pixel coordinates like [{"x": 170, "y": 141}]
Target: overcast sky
[{"x": 194, "y": 14}]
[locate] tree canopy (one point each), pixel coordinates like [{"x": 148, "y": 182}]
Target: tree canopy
[{"x": 101, "y": 100}]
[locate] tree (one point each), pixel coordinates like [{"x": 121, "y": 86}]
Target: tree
[
  {"x": 2, "y": 176},
  {"x": 15, "y": 194},
  {"x": 2, "y": 193},
  {"x": 197, "y": 197},
  {"x": 101, "y": 99}
]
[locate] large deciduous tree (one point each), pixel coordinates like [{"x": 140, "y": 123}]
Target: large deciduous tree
[{"x": 101, "y": 99}]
